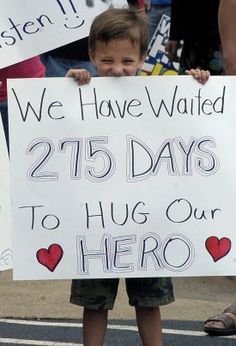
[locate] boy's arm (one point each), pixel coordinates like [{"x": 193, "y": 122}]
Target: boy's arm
[
  {"x": 80, "y": 75},
  {"x": 201, "y": 76}
]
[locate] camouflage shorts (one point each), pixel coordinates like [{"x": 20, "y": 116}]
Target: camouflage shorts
[{"x": 101, "y": 293}]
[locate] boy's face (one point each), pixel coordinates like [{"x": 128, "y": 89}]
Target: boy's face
[{"x": 117, "y": 58}]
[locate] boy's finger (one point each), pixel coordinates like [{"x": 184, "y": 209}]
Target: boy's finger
[{"x": 70, "y": 73}]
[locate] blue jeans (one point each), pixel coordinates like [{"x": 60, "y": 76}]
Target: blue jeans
[
  {"x": 4, "y": 114},
  {"x": 154, "y": 16},
  {"x": 58, "y": 67}
]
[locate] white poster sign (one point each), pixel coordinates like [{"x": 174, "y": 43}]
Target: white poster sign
[
  {"x": 5, "y": 229},
  {"x": 29, "y": 29},
  {"x": 124, "y": 177}
]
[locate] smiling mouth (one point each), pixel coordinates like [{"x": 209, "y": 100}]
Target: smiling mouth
[{"x": 73, "y": 27}]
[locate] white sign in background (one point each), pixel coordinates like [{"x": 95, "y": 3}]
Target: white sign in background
[
  {"x": 127, "y": 177},
  {"x": 31, "y": 29},
  {"x": 157, "y": 62},
  {"x": 5, "y": 229}
]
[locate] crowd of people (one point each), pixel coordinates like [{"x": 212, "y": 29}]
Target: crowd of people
[{"x": 117, "y": 46}]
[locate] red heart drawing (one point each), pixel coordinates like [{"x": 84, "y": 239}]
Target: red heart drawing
[
  {"x": 218, "y": 248},
  {"x": 50, "y": 257}
]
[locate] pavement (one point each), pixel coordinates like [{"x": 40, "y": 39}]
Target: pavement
[{"x": 195, "y": 299}]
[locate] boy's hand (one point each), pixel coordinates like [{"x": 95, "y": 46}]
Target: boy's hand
[
  {"x": 0, "y": 84},
  {"x": 82, "y": 76},
  {"x": 201, "y": 76}
]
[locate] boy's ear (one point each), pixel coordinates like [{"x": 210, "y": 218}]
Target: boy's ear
[
  {"x": 91, "y": 57},
  {"x": 142, "y": 59}
]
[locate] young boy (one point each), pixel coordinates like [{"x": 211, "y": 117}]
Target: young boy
[{"x": 117, "y": 47}]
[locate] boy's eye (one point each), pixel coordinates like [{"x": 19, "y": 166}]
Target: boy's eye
[
  {"x": 128, "y": 61},
  {"x": 106, "y": 61}
]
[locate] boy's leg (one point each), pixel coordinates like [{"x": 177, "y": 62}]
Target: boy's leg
[
  {"x": 94, "y": 327},
  {"x": 97, "y": 296},
  {"x": 149, "y": 325},
  {"x": 146, "y": 295}
]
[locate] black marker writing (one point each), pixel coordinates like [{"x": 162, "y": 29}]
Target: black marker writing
[
  {"x": 49, "y": 222},
  {"x": 152, "y": 252},
  {"x": 197, "y": 105},
  {"x": 181, "y": 210},
  {"x": 18, "y": 31}
]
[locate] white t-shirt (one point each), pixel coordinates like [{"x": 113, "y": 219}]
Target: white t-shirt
[{"x": 117, "y": 3}]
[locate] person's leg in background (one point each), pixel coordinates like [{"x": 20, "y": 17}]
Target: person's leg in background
[
  {"x": 202, "y": 55},
  {"x": 154, "y": 15}
]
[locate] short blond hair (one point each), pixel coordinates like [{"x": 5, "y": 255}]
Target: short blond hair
[{"x": 117, "y": 23}]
